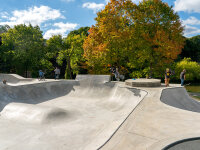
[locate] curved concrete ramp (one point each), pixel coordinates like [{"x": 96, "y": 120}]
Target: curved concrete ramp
[
  {"x": 64, "y": 115},
  {"x": 35, "y": 114},
  {"x": 186, "y": 144},
  {"x": 14, "y": 78},
  {"x": 178, "y": 97},
  {"x": 93, "y": 78}
]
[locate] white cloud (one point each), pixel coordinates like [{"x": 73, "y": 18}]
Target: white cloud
[
  {"x": 34, "y": 15},
  {"x": 189, "y": 30},
  {"x": 93, "y": 6},
  {"x": 4, "y": 15},
  {"x": 187, "y": 5},
  {"x": 191, "y": 21},
  {"x": 62, "y": 28}
]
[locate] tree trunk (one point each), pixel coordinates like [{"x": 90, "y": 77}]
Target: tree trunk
[
  {"x": 26, "y": 70},
  {"x": 69, "y": 67},
  {"x": 151, "y": 70}
]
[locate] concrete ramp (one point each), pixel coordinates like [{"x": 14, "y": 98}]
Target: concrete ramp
[
  {"x": 20, "y": 112},
  {"x": 179, "y": 98},
  {"x": 93, "y": 78},
  {"x": 14, "y": 78},
  {"x": 65, "y": 115}
]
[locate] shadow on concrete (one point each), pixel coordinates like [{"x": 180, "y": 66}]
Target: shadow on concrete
[{"x": 136, "y": 92}]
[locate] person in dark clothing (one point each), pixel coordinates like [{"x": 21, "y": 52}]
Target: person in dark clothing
[
  {"x": 115, "y": 72},
  {"x": 57, "y": 73},
  {"x": 182, "y": 77}
]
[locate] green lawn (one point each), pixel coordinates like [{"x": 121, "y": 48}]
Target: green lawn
[
  {"x": 196, "y": 97},
  {"x": 194, "y": 89}
]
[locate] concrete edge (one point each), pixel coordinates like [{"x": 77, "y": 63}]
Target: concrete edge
[
  {"x": 177, "y": 107},
  {"x": 170, "y": 142},
  {"x": 124, "y": 119}
]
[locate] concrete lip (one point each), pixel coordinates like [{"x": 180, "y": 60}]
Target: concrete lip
[
  {"x": 66, "y": 115},
  {"x": 179, "y": 98},
  {"x": 181, "y": 142},
  {"x": 185, "y": 144},
  {"x": 142, "y": 82}
]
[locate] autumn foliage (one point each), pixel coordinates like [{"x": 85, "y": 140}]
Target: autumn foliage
[{"x": 137, "y": 37}]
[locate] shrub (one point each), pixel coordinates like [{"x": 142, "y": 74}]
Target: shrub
[{"x": 192, "y": 69}]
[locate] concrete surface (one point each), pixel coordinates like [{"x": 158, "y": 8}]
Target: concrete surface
[
  {"x": 91, "y": 113},
  {"x": 153, "y": 125},
  {"x": 63, "y": 115},
  {"x": 187, "y": 144},
  {"x": 14, "y": 78},
  {"x": 142, "y": 82},
  {"x": 94, "y": 78}
]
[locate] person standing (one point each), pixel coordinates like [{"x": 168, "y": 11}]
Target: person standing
[
  {"x": 57, "y": 73},
  {"x": 167, "y": 76},
  {"x": 182, "y": 77},
  {"x": 41, "y": 75}
]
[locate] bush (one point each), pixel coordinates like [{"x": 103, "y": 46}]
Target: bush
[{"x": 192, "y": 69}]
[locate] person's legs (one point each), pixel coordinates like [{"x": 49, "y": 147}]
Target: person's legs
[
  {"x": 40, "y": 77},
  {"x": 43, "y": 77},
  {"x": 116, "y": 77},
  {"x": 121, "y": 77},
  {"x": 168, "y": 81},
  {"x": 182, "y": 82}
]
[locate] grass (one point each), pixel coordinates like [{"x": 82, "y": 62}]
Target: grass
[
  {"x": 196, "y": 97},
  {"x": 194, "y": 89}
]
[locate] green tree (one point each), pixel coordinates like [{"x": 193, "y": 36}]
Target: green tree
[
  {"x": 72, "y": 51},
  {"x": 192, "y": 49},
  {"x": 109, "y": 40},
  {"x": 5, "y": 64},
  {"x": 192, "y": 69},
  {"x": 53, "y": 46},
  {"x": 158, "y": 34},
  {"x": 4, "y": 28},
  {"x": 139, "y": 37},
  {"x": 26, "y": 45}
]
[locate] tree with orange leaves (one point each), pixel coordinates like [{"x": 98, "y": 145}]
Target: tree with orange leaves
[
  {"x": 138, "y": 37},
  {"x": 159, "y": 32},
  {"x": 107, "y": 41}
]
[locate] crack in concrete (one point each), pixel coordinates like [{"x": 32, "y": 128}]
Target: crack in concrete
[{"x": 144, "y": 136}]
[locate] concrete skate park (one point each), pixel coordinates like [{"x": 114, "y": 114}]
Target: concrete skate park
[{"x": 92, "y": 112}]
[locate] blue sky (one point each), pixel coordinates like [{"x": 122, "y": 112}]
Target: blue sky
[{"x": 62, "y": 16}]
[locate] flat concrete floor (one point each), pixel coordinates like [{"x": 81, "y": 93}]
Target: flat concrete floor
[
  {"x": 89, "y": 115},
  {"x": 154, "y": 125}
]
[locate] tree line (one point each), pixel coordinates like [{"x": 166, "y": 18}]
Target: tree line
[
  {"x": 142, "y": 40},
  {"x": 23, "y": 50}
]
